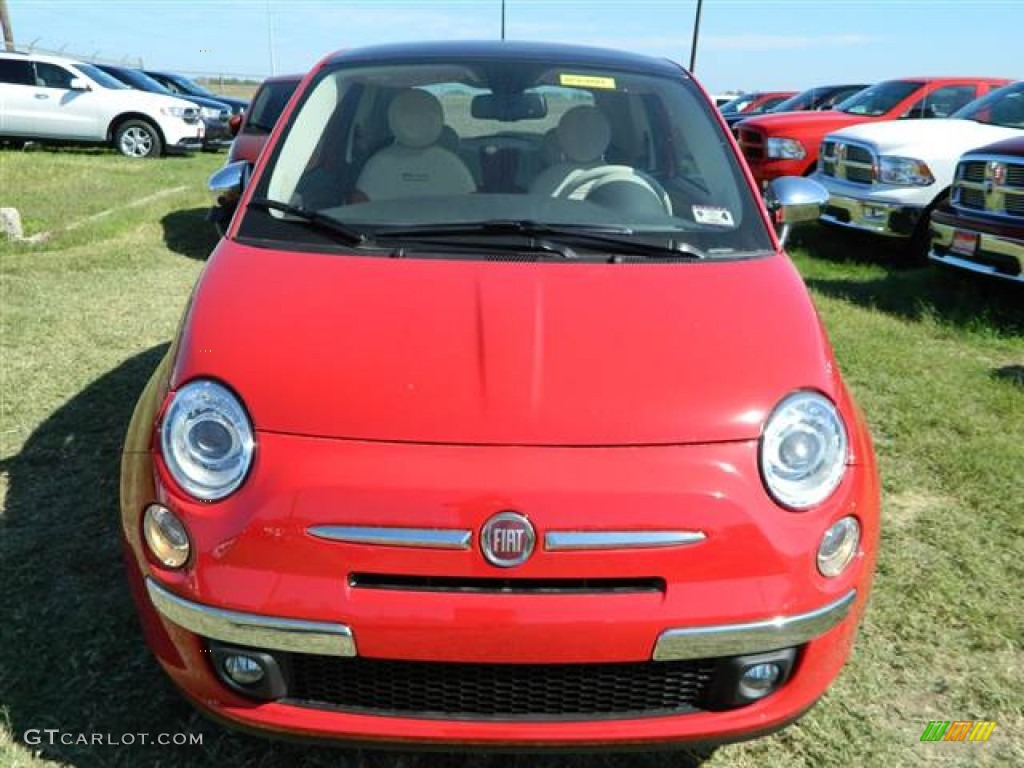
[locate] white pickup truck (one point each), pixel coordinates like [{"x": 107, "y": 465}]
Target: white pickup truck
[
  {"x": 886, "y": 177},
  {"x": 52, "y": 99}
]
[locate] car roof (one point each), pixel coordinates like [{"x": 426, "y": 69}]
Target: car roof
[{"x": 508, "y": 50}]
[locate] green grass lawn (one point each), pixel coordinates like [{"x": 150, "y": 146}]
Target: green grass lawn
[{"x": 936, "y": 361}]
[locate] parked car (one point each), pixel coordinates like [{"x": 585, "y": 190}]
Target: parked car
[
  {"x": 822, "y": 97},
  {"x": 214, "y": 114},
  {"x": 885, "y": 178},
  {"x": 818, "y": 98},
  {"x": 187, "y": 88},
  {"x": 787, "y": 144},
  {"x": 505, "y": 453},
  {"x": 255, "y": 126},
  {"x": 57, "y": 100},
  {"x": 755, "y": 102},
  {"x": 980, "y": 229}
]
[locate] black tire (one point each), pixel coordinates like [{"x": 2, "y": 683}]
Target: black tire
[
  {"x": 139, "y": 139},
  {"x": 921, "y": 241}
]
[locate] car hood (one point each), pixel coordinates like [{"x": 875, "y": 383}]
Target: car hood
[
  {"x": 945, "y": 137},
  {"x": 157, "y": 100},
  {"x": 475, "y": 352}
]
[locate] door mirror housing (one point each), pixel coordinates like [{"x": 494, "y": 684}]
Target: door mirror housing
[{"x": 794, "y": 200}]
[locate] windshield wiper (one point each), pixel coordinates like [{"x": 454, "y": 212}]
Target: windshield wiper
[
  {"x": 314, "y": 218},
  {"x": 598, "y": 235}
]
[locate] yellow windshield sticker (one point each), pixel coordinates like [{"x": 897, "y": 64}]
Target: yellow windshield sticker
[{"x": 587, "y": 81}]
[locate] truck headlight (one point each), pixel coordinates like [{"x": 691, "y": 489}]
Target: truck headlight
[
  {"x": 179, "y": 112},
  {"x": 904, "y": 171},
  {"x": 803, "y": 450},
  {"x": 207, "y": 440},
  {"x": 210, "y": 113},
  {"x": 788, "y": 149}
]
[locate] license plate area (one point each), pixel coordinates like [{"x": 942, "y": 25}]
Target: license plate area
[{"x": 964, "y": 243}]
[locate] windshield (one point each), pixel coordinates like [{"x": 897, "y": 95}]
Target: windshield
[
  {"x": 879, "y": 99},
  {"x": 188, "y": 86},
  {"x": 100, "y": 77},
  {"x": 738, "y": 104},
  {"x": 499, "y": 148},
  {"x": 823, "y": 97},
  {"x": 1003, "y": 107},
  {"x": 141, "y": 81}
]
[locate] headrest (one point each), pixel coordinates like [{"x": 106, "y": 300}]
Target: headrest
[
  {"x": 415, "y": 118},
  {"x": 584, "y": 133}
]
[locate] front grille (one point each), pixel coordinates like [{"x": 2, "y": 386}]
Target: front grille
[
  {"x": 504, "y": 586},
  {"x": 752, "y": 144},
  {"x": 499, "y": 691},
  {"x": 967, "y": 197},
  {"x": 971, "y": 170},
  {"x": 1014, "y": 204},
  {"x": 1014, "y": 175},
  {"x": 847, "y": 161}
]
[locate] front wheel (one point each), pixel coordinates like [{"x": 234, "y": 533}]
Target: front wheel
[{"x": 137, "y": 138}]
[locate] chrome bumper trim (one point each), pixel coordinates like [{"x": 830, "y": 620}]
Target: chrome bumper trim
[
  {"x": 420, "y": 538},
  {"x": 559, "y": 541},
  {"x": 754, "y": 637},
  {"x": 859, "y": 217},
  {"x": 270, "y": 632},
  {"x": 942, "y": 237}
]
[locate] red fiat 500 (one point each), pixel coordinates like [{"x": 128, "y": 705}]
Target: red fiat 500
[{"x": 500, "y": 417}]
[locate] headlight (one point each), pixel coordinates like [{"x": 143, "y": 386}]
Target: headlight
[
  {"x": 210, "y": 113},
  {"x": 904, "y": 172},
  {"x": 174, "y": 111},
  {"x": 803, "y": 450},
  {"x": 207, "y": 440},
  {"x": 789, "y": 149},
  {"x": 165, "y": 536}
]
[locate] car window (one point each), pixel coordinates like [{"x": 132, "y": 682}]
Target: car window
[
  {"x": 942, "y": 102},
  {"x": 51, "y": 76},
  {"x": 465, "y": 142},
  {"x": 1004, "y": 107},
  {"x": 267, "y": 105},
  {"x": 16, "y": 72},
  {"x": 739, "y": 104},
  {"x": 880, "y": 98}
]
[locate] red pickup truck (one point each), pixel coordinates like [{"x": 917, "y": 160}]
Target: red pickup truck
[{"x": 786, "y": 143}]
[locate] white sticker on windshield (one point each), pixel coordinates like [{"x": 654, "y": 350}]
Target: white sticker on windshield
[{"x": 709, "y": 214}]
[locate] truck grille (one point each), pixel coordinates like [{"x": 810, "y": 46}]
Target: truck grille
[
  {"x": 499, "y": 691},
  {"x": 751, "y": 143},
  {"x": 852, "y": 162},
  {"x": 994, "y": 185}
]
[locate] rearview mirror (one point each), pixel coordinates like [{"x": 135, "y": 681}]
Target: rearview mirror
[
  {"x": 794, "y": 200},
  {"x": 234, "y": 124},
  {"x": 508, "y": 107}
]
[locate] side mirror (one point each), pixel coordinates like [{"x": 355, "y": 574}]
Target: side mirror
[
  {"x": 78, "y": 84},
  {"x": 235, "y": 124},
  {"x": 227, "y": 185},
  {"x": 794, "y": 200}
]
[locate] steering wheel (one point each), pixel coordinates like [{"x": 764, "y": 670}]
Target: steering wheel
[{"x": 618, "y": 186}]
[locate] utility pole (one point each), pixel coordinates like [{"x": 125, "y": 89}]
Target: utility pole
[
  {"x": 502, "y": 19},
  {"x": 270, "y": 41},
  {"x": 5, "y": 22},
  {"x": 696, "y": 32}
]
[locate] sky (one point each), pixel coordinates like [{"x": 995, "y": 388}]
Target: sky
[{"x": 743, "y": 44}]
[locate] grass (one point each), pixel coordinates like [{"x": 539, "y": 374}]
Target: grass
[{"x": 936, "y": 361}]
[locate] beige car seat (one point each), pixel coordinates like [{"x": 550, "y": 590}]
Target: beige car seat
[{"x": 415, "y": 164}]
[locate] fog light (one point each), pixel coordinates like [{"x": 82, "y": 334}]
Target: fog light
[
  {"x": 166, "y": 536},
  {"x": 759, "y": 680},
  {"x": 838, "y": 546},
  {"x": 244, "y": 670}
]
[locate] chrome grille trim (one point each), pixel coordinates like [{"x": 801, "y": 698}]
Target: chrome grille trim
[
  {"x": 561, "y": 541},
  {"x": 993, "y": 184},
  {"x": 848, "y": 161},
  {"x": 417, "y": 538}
]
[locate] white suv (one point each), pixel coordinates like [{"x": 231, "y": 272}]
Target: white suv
[{"x": 46, "y": 98}]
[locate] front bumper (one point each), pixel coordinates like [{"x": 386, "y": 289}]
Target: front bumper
[
  {"x": 218, "y": 135},
  {"x": 333, "y": 639},
  {"x": 871, "y": 214},
  {"x": 262, "y": 580},
  {"x": 966, "y": 246}
]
